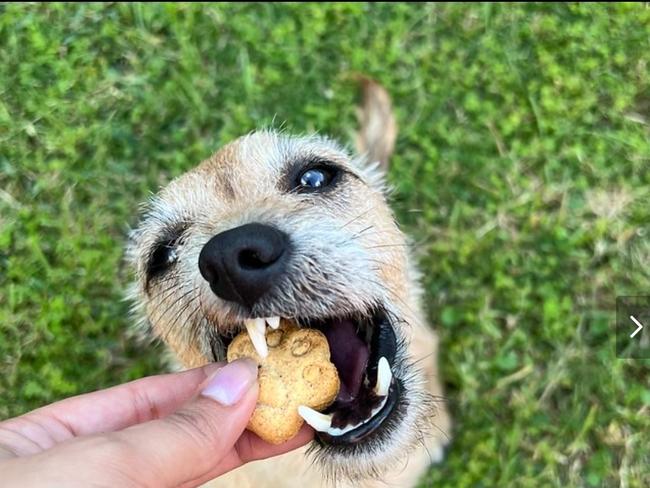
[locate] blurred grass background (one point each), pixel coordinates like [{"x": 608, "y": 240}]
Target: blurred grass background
[{"x": 522, "y": 171}]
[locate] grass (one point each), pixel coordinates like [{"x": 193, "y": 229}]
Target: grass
[{"x": 522, "y": 171}]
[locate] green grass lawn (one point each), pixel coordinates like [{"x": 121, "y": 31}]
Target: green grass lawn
[{"x": 522, "y": 170}]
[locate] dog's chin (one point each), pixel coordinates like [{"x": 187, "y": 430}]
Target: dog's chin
[
  {"x": 382, "y": 409},
  {"x": 408, "y": 426}
]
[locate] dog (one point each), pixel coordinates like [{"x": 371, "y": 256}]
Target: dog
[{"x": 274, "y": 225}]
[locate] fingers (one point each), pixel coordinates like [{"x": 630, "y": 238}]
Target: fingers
[
  {"x": 102, "y": 411},
  {"x": 191, "y": 443},
  {"x": 250, "y": 447},
  {"x": 128, "y": 404},
  {"x": 200, "y": 441}
]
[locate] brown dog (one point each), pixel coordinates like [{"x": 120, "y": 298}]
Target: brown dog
[{"x": 279, "y": 226}]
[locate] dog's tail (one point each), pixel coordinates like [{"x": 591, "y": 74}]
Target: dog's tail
[{"x": 377, "y": 126}]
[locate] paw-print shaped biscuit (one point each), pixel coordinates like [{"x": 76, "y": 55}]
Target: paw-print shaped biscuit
[{"x": 297, "y": 371}]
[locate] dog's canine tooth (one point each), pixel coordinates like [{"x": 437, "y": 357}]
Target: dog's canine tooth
[
  {"x": 384, "y": 377},
  {"x": 274, "y": 322},
  {"x": 256, "y": 329},
  {"x": 319, "y": 421}
]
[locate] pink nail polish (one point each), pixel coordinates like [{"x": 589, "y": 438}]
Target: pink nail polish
[{"x": 229, "y": 383}]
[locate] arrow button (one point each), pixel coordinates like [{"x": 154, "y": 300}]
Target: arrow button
[{"x": 638, "y": 324}]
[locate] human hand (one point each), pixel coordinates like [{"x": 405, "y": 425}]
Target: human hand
[{"x": 180, "y": 429}]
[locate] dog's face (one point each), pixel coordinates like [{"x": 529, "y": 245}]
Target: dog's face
[{"x": 276, "y": 226}]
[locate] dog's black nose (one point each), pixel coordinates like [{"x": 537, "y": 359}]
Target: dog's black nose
[{"x": 243, "y": 263}]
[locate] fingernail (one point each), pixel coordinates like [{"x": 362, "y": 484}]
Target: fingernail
[{"x": 229, "y": 383}]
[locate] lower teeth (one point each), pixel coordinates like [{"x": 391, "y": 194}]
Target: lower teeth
[
  {"x": 323, "y": 422},
  {"x": 336, "y": 431}
]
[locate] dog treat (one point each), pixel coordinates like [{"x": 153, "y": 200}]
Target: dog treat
[{"x": 296, "y": 371}]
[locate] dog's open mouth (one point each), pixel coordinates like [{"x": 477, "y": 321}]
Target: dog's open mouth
[{"x": 363, "y": 349}]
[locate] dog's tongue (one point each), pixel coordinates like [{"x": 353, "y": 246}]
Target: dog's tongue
[{"x": 350, "y": 356}]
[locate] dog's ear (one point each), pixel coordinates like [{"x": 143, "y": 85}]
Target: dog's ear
[{"x": 377, "y": 126}]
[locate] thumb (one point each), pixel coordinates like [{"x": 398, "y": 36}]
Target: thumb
[{"x": 192, "y": 443}]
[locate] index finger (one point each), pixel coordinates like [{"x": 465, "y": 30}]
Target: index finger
[{"x": 108, "y": 410}]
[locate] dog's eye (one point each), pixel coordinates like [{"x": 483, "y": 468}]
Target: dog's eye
[
  {"x": 163, "y": 256},
  {"x": 315, "y": 179}
]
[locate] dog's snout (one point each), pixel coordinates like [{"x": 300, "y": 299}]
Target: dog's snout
[{"x": 242, "y": 264}]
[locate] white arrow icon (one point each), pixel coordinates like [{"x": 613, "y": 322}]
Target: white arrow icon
[{"x": 638, "y": 324}]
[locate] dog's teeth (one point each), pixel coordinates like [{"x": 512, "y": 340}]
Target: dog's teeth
[
  {"x": 319, "y": 421},
  {"x": 336, "y": 431},
  {"x": 384, "y": 377},
  {"x": 256, "y": 329},
  {"x": 274, "y": 322}
]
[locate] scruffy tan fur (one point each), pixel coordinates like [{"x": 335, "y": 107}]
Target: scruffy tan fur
[{"x": 350, "y": 256}]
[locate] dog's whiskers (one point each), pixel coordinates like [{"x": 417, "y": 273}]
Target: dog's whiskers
[
  {"x": 354, "y": 219},
  {"x": 180, "y": 299}
]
